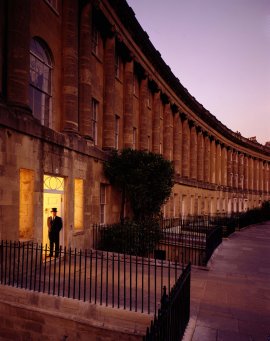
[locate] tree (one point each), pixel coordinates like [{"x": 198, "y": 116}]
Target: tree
[{"x": 144, "y": 178}]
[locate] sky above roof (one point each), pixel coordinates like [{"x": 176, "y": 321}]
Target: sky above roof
[{"x": 220, "y": 51}]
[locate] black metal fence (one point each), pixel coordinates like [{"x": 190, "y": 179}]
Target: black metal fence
[
  {"x": 173, "y": 316},
  {"x": 117, "y": 280},
  {"x": 182, "y": 241}
]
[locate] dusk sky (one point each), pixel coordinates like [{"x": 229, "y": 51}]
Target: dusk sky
[{"x": 220, "y": 51}]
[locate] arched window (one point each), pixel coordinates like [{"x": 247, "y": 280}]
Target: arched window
[{"x": 40, "y": 82}]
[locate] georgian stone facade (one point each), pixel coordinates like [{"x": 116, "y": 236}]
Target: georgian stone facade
[{"x": 78, "y": 78}]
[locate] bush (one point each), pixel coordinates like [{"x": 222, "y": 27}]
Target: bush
[{"x": 135, "y": 238}]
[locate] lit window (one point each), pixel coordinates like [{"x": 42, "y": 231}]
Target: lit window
[
  {"x": 26, "y": 212},
  {"x": 116, "y": 132},
  {"x": 102, "y": 203},
  {"x": 95, "y": 40},
  {"x": 78, "y": 204},
  {"x": 40, "y": 82},
  {"x": 95, "y": 120}
]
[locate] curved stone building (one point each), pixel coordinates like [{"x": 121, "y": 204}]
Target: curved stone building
[{"x": 78, "y": 78}]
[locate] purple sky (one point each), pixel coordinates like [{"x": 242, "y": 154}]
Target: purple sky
[{"x": 220, "y": 51}]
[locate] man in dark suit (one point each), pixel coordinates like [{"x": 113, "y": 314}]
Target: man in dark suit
[{"x": 55, "y": 225}]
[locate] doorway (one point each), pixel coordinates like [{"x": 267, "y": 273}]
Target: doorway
[{"x": 53, "y": 196}]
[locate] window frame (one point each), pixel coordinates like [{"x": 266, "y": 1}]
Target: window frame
[{"x": 36, "y": 92}]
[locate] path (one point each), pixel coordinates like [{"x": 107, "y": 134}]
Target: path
[{"x": 231, "y": 301}]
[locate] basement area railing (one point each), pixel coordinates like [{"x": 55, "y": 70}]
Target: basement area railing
[{"x": 100, "y": 277}]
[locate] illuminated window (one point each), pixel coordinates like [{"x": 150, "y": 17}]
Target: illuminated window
[
  {"x": 26, "y": 216},
  {"x": 95, "y": 120},
  {"x": 102, "y": 203},
  {"x": 78, "y": 204},
  {"x": 116, "y": 132},
  {"x": 95, "y": 40},
  {"x": 40, "y": 82}
]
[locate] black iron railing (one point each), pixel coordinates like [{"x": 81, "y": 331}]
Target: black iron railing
[
  {"x": 179, "y": 240},
  {"x": 112, "y": 279},
  {"x": 173, "y": 316}
]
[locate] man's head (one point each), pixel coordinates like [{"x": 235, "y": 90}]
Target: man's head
[{"x": 54, "y": 211}]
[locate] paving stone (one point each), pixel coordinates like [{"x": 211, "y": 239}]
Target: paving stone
[{"x": 232, "y": 302}]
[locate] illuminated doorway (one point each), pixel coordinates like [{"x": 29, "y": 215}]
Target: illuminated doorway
[{"x": 53, "y": 196}]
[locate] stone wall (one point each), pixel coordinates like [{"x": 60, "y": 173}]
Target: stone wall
[{"x": 27, "y": 315}]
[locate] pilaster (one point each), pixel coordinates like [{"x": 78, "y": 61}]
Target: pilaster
[
  {"x": 186, "y": 149},
  {"x": 143, "y": 115},
  {"x": 18, "y": 53},
  {"x": 109, "y": 93},
  {"x": 70, "y": 66},
  {"x": 85, "y": 74},
  {"x": 167, "y": 132},
  {"x": 207, "y": 159},
  {"x": 224, "y": 170},
  {"x": 193, "y": 153},
  {"x": 201, "y": 150},
  {"x": 229, "y": 168},
  {"x": 177, "y": 143},
  {"x": 156, "y": 122},
  {"x": 213, "y": 161},
  {"x": 246, "y": 173},
  {"x": 128, "y": 103}
]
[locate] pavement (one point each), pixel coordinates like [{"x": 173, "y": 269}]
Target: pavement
[{"x": 230, "y": 299}]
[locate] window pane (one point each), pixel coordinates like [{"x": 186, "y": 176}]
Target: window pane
[{"x": 40, "y": 82}]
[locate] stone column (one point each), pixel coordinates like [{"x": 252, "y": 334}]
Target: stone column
[
  {"x": 200, "y": 159},
  {"x": 85, "y": 74},
  {"x": 167, "y": 132},
  {"x": 224, "y": 170},
  {"x": 213, "y": 161},
  {"x": 186, "y": 149},
  {"x": 218, "y": 163},
  {"x": 18, "y": 59},
  {"x": 260, "y": 175},
  {"x": 143, "y": 119},
  {"x": 70, "y": 66},
  {"x": 177, "y": 143},
  {"x": 267, "y": 178},
  {"x": 193, "y": 152},
  {"x": 229, "y": 168},
  {"x": 128, "y": 104},
  {"x": 264, "y": 176},
  {"x": 3, "y": 57},
  {"x": 255, "y": 175},
  {"x": 235, "y": 169},
  {"x": 207, "y": 159},
  {"x": 109, "y": 93},
  {"x": 241, "y": 171},
  {"x": 251, "y": 173},
  {"x": 246, "y": 173},
  {"x": 156, "y": 122}
]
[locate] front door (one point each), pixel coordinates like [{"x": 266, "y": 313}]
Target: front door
[{"x": 53, "y": 196}]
